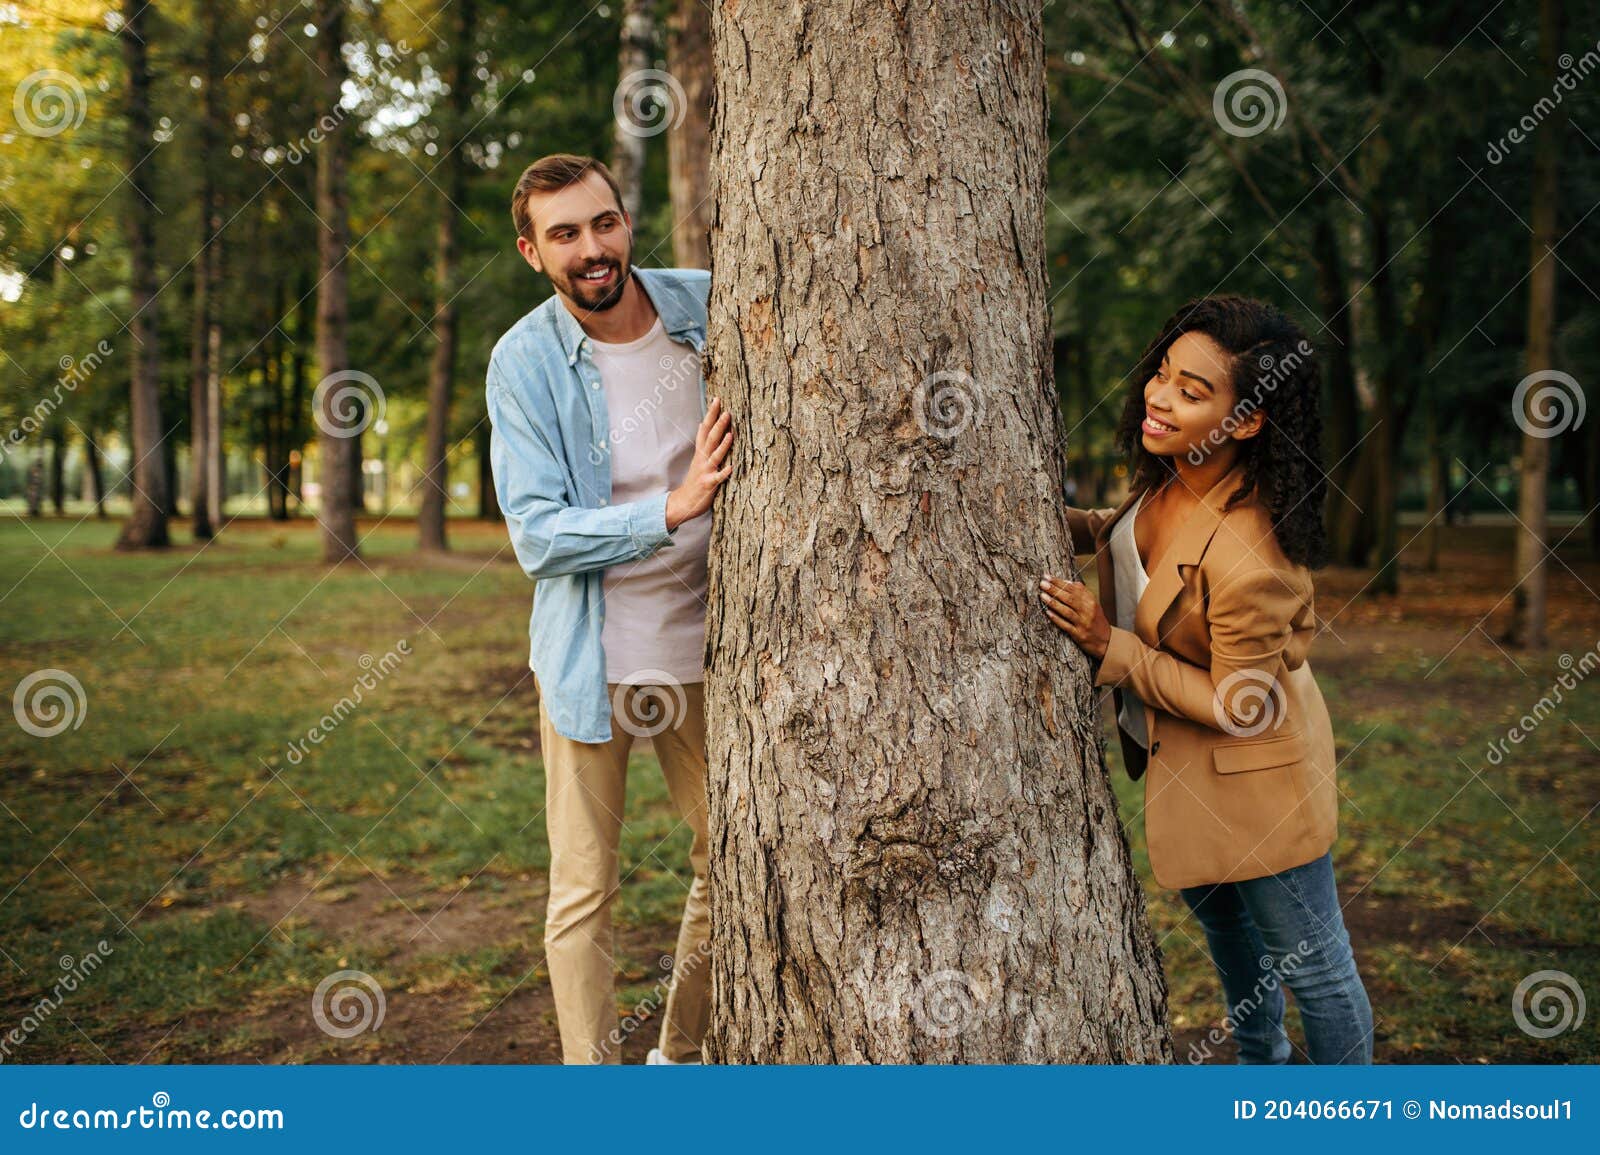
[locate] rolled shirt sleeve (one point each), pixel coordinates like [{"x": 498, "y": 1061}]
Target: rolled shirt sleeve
[{"x": 551, "y": 535}]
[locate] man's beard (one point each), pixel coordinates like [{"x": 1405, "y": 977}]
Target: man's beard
[{"x": 594, "y": 300}]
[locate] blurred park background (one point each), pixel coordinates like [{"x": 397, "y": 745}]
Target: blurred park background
[{"x": 239, "y": 771}]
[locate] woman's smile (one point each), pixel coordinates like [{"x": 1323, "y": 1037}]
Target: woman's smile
[{"x": 1155, "y": 427}]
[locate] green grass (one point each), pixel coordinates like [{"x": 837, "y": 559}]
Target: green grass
[{"x": 173, "y": 823}]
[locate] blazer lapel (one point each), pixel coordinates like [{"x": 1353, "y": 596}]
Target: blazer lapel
[{"x": 1166, "y": 579}]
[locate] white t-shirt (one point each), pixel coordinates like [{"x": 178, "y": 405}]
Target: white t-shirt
[
  {"x": 1130, "y": 580},
  {"x": 655, "y": 608}
]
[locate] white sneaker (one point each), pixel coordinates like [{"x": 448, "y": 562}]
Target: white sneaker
[{"x": 655, "y": 1059}]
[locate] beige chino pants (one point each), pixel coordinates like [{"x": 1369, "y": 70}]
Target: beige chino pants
[{"x": 585, "y": 788}]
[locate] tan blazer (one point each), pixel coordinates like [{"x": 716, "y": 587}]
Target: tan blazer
[{"x": 1239, "y": 779}]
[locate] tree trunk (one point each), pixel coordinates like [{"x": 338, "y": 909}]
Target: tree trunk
[
  {"x": 337, "y": 445},
  {"x": 628, "y": 135},
  {"x": 200, "y": 365},
  {"x": 488, "y": 499},
  {"x": 58, "y": 470},
  {"x": 1533, "y": 515},
  {"x": 441, "y": 373},
  {"x": 216, "y": 475},
  {"x": 1342, "y": 431},
  {"x": 35, "y": 484},
  {"x": 1393, "y": 377},
  {"x": 916, "y": 854},
  {"x": 92, "y": 467},
  {"x": 199, "y": 392},
  {"x": 146, "y": 527},
  {"x": 303, "y": 326},
  {"x": 689, "y": 140}
]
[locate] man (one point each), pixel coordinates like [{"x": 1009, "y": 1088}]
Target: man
[{"x": 605, "y": 461}]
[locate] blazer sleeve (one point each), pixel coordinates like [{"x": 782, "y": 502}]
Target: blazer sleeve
[
  {"x": 1250, "y": 621},
  {"x": 1084, "y": 524}
]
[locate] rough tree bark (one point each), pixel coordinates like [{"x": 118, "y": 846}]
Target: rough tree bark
[
  {"x": 442, "y": 370},
  {"x": 336, "y": 446},
  {"x": 916, "y": 853},
  {"x": 146, "y": 527},
  {"x": 1533, "y": 515},
  {"x": 689, "y": 140}
]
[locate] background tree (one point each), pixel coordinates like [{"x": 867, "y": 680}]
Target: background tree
[
  {"x": 633, "y": 58},
  {"x": 1533, "y": 516},
  {"x": 689, "y": 137},
  {"x": 441, "y": 375},
  {"x": 146, "y": 527},
  {"x": 337, "y": 415}
]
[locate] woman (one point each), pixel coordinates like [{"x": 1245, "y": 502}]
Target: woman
[{"x": 1202, "y": 627}]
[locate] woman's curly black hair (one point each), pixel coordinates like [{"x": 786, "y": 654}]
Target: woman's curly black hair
[{"x": 1274, "y": 369}]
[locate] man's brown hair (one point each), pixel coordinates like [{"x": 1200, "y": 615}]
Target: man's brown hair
[{"x": 551, "y": 174}]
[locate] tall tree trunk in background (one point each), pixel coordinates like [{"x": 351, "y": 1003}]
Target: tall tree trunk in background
[
  {"x": 689, "y": 140},
  {"x": 200, "y": 363},
  {"x": 199, "y": 380},
  {"x": 336, "y": 447},
  {"x": 1342, "y": 430},
  {"x": 1591, "y": 486},
  {"x": 1393, "y": 378},
  {"x": 169, "y": 451},
  {"x": 360, "y": 407},
  {"x": 488, "y": 499},
  {"x": 35, "y": 484},
  {"x": 94, "y": 471},
  {"x": 58, "y": 469},
  {"x": 630, "y": 130},
  {"x": 1438, "y": 275},
  {"x": 304, "y": 326},
  {"x": 441, "y": 373},
  {"x": 945, "y": 876},
  {"x": 1533, "y": 515},
  {"x": 216, "y": 474},
  {"x": 146, "y": 527}
]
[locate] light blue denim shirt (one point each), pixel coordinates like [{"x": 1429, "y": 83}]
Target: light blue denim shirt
[{"x": 552, "y": 472}]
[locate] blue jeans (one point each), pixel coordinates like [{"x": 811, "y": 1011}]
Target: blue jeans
[{"x": 1286, "y": 929}]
